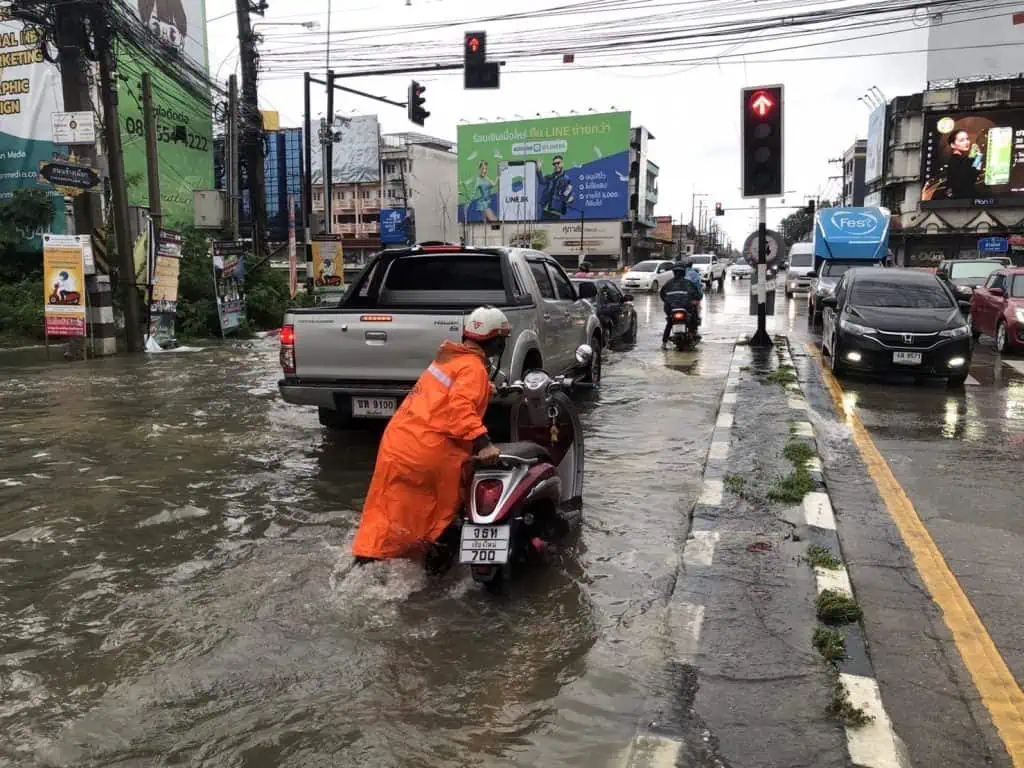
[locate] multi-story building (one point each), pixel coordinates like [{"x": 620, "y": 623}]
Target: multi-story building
[
  {"x": 949, "y": 171},
  {"x": 638, "y": 244},
  {"x": 853, "y": 173}
]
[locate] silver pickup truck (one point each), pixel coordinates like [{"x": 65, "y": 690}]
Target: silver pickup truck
[{"x": 359, "y": 359}]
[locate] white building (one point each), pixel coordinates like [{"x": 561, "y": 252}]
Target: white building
[{"x": 419, "y": 174}]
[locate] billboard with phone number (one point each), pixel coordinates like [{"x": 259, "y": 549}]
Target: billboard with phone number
[
  {"x": 551, "y": 169},
  {"x": 974, "y": 159}
]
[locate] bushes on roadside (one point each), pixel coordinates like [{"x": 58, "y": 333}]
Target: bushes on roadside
[{"x": 21, "y": 309}]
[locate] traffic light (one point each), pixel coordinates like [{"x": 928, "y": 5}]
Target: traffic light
[
  {"x": 762, "y": 141},
  {"x": 417, "y": 113},
  {"x": 479, "y": 73},
  {"x": 719, "y": 210}
]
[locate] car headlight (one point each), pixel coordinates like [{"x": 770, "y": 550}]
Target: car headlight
[
  {"x": 860, "y": 330},
  {"x": 956, "y": 333},
  {"x": 824, "y": 290},
  {"x": 1020, "y": 315}
]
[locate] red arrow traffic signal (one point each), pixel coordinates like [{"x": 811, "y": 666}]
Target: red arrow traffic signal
[
  {"x": 761, "y": 103},
  {"x": 473, "y": 44}
]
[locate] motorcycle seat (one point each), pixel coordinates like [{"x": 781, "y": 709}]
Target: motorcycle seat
[{"x": 525, "y": 450}]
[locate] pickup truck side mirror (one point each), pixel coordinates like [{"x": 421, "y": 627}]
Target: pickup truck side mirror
[
  {"x": 586, "y": 290},
  {"x": 996, "y": 292}
]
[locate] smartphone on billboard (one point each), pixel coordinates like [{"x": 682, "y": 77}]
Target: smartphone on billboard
[
  {"x": 1000, "y": 154},
  {"x": 517, "y": 191}
]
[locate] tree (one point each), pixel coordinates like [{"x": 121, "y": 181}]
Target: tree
[
  {"x": 798, "y": 225},
  {"x": 28, "y": 211}
]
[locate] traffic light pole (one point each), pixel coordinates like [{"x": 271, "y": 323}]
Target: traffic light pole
[{"x": 761, "y": 338}]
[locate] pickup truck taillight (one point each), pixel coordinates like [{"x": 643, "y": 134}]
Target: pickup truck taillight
[{"x": 288, "y": 349}]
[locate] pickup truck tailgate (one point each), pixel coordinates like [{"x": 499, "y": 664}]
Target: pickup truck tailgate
[{"x": 369, "y": 345}]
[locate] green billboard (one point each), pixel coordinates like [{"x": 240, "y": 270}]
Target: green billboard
[
  {"x": 183, "y": 117},
  {"x": 551, "y": 169}
]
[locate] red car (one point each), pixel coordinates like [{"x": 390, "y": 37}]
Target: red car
[{"x": 997, "y": 309}]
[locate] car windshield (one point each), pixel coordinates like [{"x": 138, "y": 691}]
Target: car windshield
[
  {"x": 834, "y": 270},
  {"x": 870, "y": 293},
  {"x": 644, "y": 266},
  {"x": 701, "y": 260},
  {"x": 1017, "y": 291},
  {"x": 801, "y": 259},
  {"x": 969, "y": 269}
]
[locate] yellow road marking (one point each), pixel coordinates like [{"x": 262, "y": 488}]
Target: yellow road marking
[{"x": 999, "y": 690}]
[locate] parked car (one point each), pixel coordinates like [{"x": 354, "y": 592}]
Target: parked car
[
  {"x": 741, "y": 269},
  {"x": 997, "y": 309},
  {"x": 358, "y": 360},
  {"x": 824, "y": 281},
  {"x": 711, "y": 268},
  {"x": 614, "y": 309},
  {"x": 895, "y": 319},
  {"x": 964, "y": 275},
  {"x": 800, "y": 267},
  {"x": 647, "y": 276}
]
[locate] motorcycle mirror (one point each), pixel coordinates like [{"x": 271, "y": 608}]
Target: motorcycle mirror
[{"x": 584, "y": 354}]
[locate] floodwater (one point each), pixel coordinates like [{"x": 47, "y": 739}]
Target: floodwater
[{"x": 176, "y": 586}]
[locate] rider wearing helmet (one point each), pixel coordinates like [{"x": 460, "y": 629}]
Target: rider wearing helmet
[
  {"x": 683, "y": 291},
  {"x": 416, "y": 487},
  {"x": 583, "y": 270}
]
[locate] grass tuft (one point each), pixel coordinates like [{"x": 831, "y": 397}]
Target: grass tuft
[
  {"x": 783, "y": 375},
  {"x": 735, "y": 483},
  {"x": 798, "y": 452},
  {"x": 822, "y": 557},
  {"x": 837, "y": 608},
  {"x": 830, "y": 644},
  {"x": 842, "y": 708},
  {"x": 792, "y": 488}
]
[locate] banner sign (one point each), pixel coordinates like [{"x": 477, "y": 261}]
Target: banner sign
[
  {"x": 229, "y": 282},
  {"x": 184, "y": 121},
  {"x": 63, "y": 286},
  {"x": 328, "y": 264},
  {"x": 599, "y": 238},
  {"x": 550, "y": 169},
  {"x": 293, "y": 267},
  {"x": 392, "y": 226},
  {"x": 30, "y": 91}
]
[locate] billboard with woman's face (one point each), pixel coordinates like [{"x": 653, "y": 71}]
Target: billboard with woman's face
[{"x": 974, "y": 159}]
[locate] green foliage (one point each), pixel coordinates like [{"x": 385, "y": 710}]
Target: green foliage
[
  {"x": 27, "y": 211},
  {"x": 798, "y": 225},
  {"x": 798, "y": 452},
  {"x": 830, "y": 644},
  {"x": 837, "y": 608},
  {"x": 822, "y": 557},
  {"x": 21, "y": 310},
  {"x": 792, "y": 488}
]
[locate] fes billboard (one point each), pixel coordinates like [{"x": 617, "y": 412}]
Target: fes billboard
[
  {"x": 550, "y": 169},
  {"x": 30, "y": 91},
  {"x": 184, "y": 117},
  {"x": 973, "y": 159}
]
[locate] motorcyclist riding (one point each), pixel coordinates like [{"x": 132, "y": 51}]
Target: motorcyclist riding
[
  {"x": 683, "y": 291},
  {"x": 416, "y": 488}
]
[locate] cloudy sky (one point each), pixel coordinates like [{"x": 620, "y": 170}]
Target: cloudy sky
[{"x": 692, "y": 108}]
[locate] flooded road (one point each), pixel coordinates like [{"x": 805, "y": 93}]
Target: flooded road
[{"x": 176, "y": 585}]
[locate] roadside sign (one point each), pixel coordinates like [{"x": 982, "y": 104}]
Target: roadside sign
[
  {"x": 73, "y": 128},
  {"x": 69, "y": 178},
  {"x": 993, "y": 245},
  {"x": 63, "y": 286},
  {"x": 774, "y": 246}
]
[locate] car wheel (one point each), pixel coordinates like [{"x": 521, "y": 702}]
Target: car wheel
[
  {"x": 958, "y": 381},
  {"x": 789, "y": 294},
  {"x": 975, "y": 334},
  {"x": 593, "y": 376},
  {"x": 835, "y": 360},
  {"x": 721, "y": 282},
  {"x": 1002, "y": 340},
  {"x": 631, "y": 336}
]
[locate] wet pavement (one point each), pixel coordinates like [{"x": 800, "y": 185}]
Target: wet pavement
[{"x": 176, "y": 587}]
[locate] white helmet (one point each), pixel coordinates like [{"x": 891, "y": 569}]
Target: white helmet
[{"x": 484, "y": 324}]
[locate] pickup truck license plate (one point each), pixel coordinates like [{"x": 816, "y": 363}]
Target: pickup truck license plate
[
  {"x": 907, "y": 358},
  {"x": 485, "y": 544},
  {"x": 374, "y": 407}
]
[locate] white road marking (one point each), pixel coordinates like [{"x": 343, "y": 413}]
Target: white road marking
[
  {"x": 719, "y": 450},
  {"x": 837, "y": 580},
  {"x": 685, "y": 621},
  {"x": 973, "y": 382},
  {"x": 814, "y": 464},
  {"x": 729, "y": 398},
  {"x": 712, "y": 493},
  {"x": 724, "y": 420},
  {"x": 818, "y": 511},
  {"x": 873, "y": 745},
  {"x": 1017, "y": 365},
  {"x": 803, "y": 429},
  {"x": 798, "y": 404},
  {"x": 699, "y": 550}
]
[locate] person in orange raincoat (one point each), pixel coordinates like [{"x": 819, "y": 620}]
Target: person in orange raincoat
[{"x": 416, "y": 488}]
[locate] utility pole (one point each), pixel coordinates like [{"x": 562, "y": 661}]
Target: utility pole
[
  {"x": 153, "y": 182},
  {"x": 118, "y": 187},
  {"x": 307, "y": 186},
  {"x": 842, "y": 164},
  {"x": 329, "y": 153},
  {"x": 231, "y": 156},
  {"x": 252, "y": 128}
]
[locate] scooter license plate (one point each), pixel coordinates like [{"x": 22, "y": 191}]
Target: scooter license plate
[
  {"x": 679, "y": 328},
  {"x": 485, "y": 544}
]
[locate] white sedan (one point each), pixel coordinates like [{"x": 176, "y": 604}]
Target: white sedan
[
  {"x": 741, "y": 269},
  {"x": 647, "y": 276}
]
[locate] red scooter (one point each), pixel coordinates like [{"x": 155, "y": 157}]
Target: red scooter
[
  {"x": 683, "y": 335},
  {"x": 532, "y": 497}
]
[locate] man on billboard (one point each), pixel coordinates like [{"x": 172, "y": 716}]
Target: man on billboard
[{"x": 556, "y": 192}]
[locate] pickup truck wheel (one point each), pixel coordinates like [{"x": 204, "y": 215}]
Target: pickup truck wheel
[
  {"x": 721, "y": 282},
  {"x": 333, "y": 419}
]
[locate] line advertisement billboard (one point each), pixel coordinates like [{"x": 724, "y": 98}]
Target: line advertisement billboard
[
  {"x": 874, "y": 161},
  {"x": 184, "y": 119},
  {"x": 30, "y": 91},
  {"x": 550, "y": 169},
  {"x": 973, "y": 159}
]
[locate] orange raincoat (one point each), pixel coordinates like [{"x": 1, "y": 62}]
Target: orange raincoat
[{"x": 416, "y": 487}]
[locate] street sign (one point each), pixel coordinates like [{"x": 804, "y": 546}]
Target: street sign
[
  {"x": 69, "y": 178},
  {"x": 73, "y": 128},
  {"x": 774, "y": 245},
  {"x": 993, "y": 245}
]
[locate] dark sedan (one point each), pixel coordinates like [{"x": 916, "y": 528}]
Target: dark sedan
[
  {"x": 614, "y": 309},
  {"x": 896, "y": 320}
]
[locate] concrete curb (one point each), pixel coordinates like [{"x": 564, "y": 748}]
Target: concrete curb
[{"x": 876, "y": 744}]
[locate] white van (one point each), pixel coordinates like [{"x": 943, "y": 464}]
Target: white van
[{"x": 801, "y": 265}]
